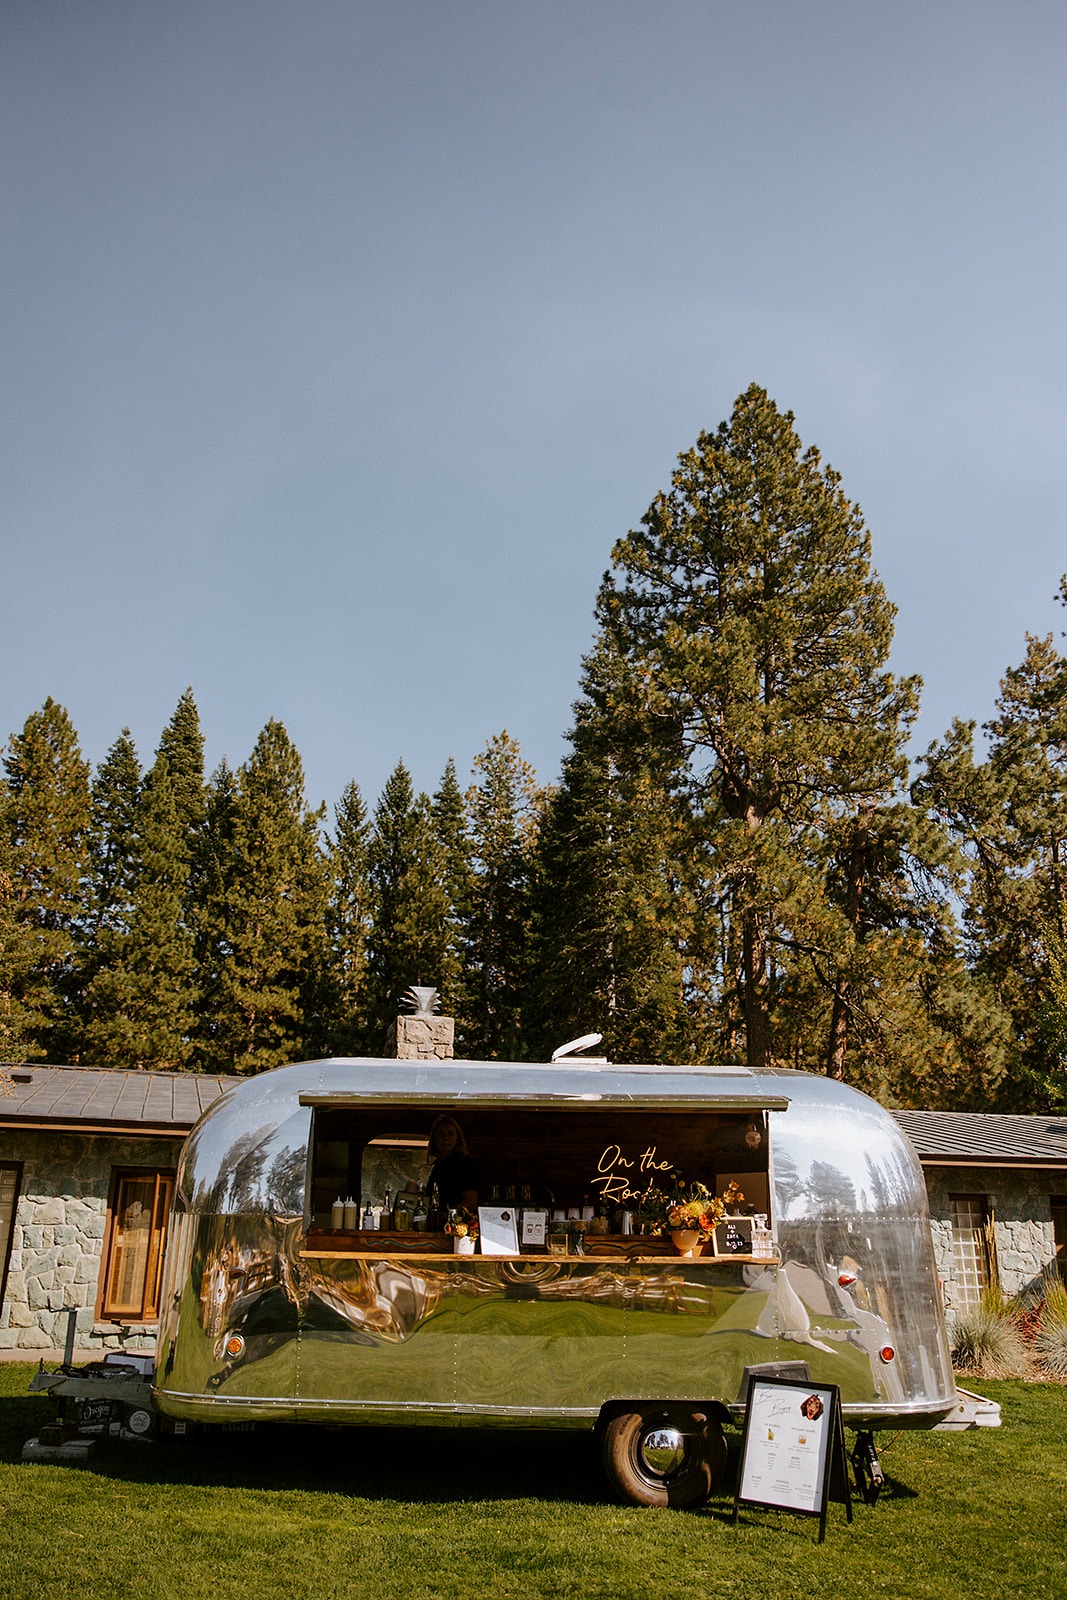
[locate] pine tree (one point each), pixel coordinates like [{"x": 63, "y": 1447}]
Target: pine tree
[
  {"x": 46, "y": 823},
  {"x": 1009, "y": 815},
  {"x": 347, "y": 999},
  {"x": 181, "y": 745},
  {"x": 606, "y": 939},
  {"x": 610, "y": 913},
  {"x": 752, "y": 635},
  {"x": 17, "y": 1041},
  {"x": 266, "y": 925},
  {"x": 448, "y": 812},
  {"x": 115, "y": 796},
  {"x": 139, "y": 1004},
  {"x": 108, "y": 896},
  {"x": 210, "y": 902},
  {"x": 410, "y": 934},
  {"x": 504, "y": 805}
]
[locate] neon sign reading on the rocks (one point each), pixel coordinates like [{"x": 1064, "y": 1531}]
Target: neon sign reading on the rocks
[{"x": 620, "y": 1178}]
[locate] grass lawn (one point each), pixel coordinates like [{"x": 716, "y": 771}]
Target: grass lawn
[{"x": 316, "y": 1514}]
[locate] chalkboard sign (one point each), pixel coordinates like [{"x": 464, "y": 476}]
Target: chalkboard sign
[{"x": 793, "y": 1450}]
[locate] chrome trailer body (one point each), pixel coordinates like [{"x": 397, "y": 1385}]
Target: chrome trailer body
[{"x": 263, "y": 1320}]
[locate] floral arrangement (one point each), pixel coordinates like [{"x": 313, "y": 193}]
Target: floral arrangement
[
  {"x": 462, "y": 1224},
  {"x": 698, "y": 1208},
  {"x": 695, "y": 1209}
]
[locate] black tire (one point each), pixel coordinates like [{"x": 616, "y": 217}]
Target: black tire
[{"x": 663, "y": 1456}]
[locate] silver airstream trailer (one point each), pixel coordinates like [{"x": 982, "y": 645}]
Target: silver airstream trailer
[{"x": 276, "y": 1306}]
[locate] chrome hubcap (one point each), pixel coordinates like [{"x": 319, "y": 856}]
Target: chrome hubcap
[{"x": 664, "y": 1450}]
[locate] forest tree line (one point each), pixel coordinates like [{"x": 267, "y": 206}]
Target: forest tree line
[{"x": 739, "y": 862}]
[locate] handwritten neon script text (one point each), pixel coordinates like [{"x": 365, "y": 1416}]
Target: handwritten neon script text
[{"x": 618, "y": 1178}]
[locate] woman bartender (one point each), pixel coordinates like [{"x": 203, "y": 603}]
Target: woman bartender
[{"x": 453, "y": 1173}]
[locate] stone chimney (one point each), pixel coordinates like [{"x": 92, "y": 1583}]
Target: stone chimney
[{"x": 419, "y": 1034}]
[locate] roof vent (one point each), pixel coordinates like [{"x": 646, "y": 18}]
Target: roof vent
[
  {"x": 584, "y": 1043},
  {"x": 21, "y": 1074}
]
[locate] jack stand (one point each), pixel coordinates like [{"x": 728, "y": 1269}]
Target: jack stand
[{"x": 868, "y": 1468}]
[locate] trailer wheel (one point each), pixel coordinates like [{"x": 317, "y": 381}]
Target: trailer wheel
[{"x": 663, "y": 1456}]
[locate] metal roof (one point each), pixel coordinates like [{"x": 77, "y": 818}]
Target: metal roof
[
  {"x": 978, "y": 1138},
  {"x": 107, "y": 1099},
  {"x": 366, "y": 1080}
]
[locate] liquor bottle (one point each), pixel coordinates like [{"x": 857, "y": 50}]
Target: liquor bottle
[
  {"x": 368, "y": 1218},
  {"x": 387, "y": 1213},
  {"x": 418, "y": 1221}
]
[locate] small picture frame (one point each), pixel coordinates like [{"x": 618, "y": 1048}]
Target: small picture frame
[
  {"x": 534, "y": 1229},
  {"x": 733, "y": 1236},
  {"x": 498, "y": 1230}
]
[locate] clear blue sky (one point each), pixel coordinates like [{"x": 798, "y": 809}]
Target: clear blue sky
[{"x": 342, "y": 340}]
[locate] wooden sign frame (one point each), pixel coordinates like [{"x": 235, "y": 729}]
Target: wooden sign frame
[{"x": 793, "y": 1448}]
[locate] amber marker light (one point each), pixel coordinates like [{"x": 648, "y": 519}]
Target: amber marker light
[
  {"x": 846, "y": 1279},
  {"x": 235, "y": 1346},
  {"x": 887, "y": 1352}
]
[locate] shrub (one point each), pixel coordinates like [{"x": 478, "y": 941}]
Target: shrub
[
  {"x": 986, "y": 1340},
  {"x": 1050, "y": 1340}
]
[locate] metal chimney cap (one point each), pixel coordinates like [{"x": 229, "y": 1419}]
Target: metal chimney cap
[{"x": 425, "y": 1002}]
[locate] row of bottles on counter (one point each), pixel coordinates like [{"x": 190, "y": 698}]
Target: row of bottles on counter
[
  {"x": 412, "y": 1213},
  {"x": 418, "y": 1213}
]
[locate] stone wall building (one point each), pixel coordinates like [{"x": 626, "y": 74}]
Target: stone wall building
[
  {"x": 87, "y": 1162},
  {"x": 998, "y": 1199}
]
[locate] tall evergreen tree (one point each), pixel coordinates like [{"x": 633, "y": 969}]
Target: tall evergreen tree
[
  {"x": 46, "y": 824},
  {"x": 752, "y": 637},
  {"x": 410, "y": 935},
  {"x": 448, "y": 812},
  {"x": 347, "y": 999},
  {"x": 504, "y": 806},
  {"x": 112, "y": 850},
  {"x": 267, "y": 932},
  {"x": 210, "y": 896},
  {"x": 139, "y": 1003},
  {"x": 611, "y": 917},
  {"x": 607, "y": 938},
  {"x": 17, "y": 1040},
  {"x": 1009, "y": 814},
  {"x": 181, "y": 745}
]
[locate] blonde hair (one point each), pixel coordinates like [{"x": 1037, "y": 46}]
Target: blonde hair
[{"x": 436, "y": 1126}]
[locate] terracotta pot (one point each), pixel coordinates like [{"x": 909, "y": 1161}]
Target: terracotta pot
[{"x": 687, "y": 1241}]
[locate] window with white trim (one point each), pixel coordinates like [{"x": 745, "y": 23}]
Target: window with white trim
[{"x": 971, "y": 1247}]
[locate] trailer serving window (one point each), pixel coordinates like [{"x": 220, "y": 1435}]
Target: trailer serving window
[{"x": 561, "y": 1157}]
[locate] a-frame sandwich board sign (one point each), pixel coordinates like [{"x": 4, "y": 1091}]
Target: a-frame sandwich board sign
[{"x": 793, "y": 1448}]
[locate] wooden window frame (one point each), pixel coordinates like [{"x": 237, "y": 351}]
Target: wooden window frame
[
  {"x": 114, "y": 1305},
  {"x": 14, "y": 1167}
]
